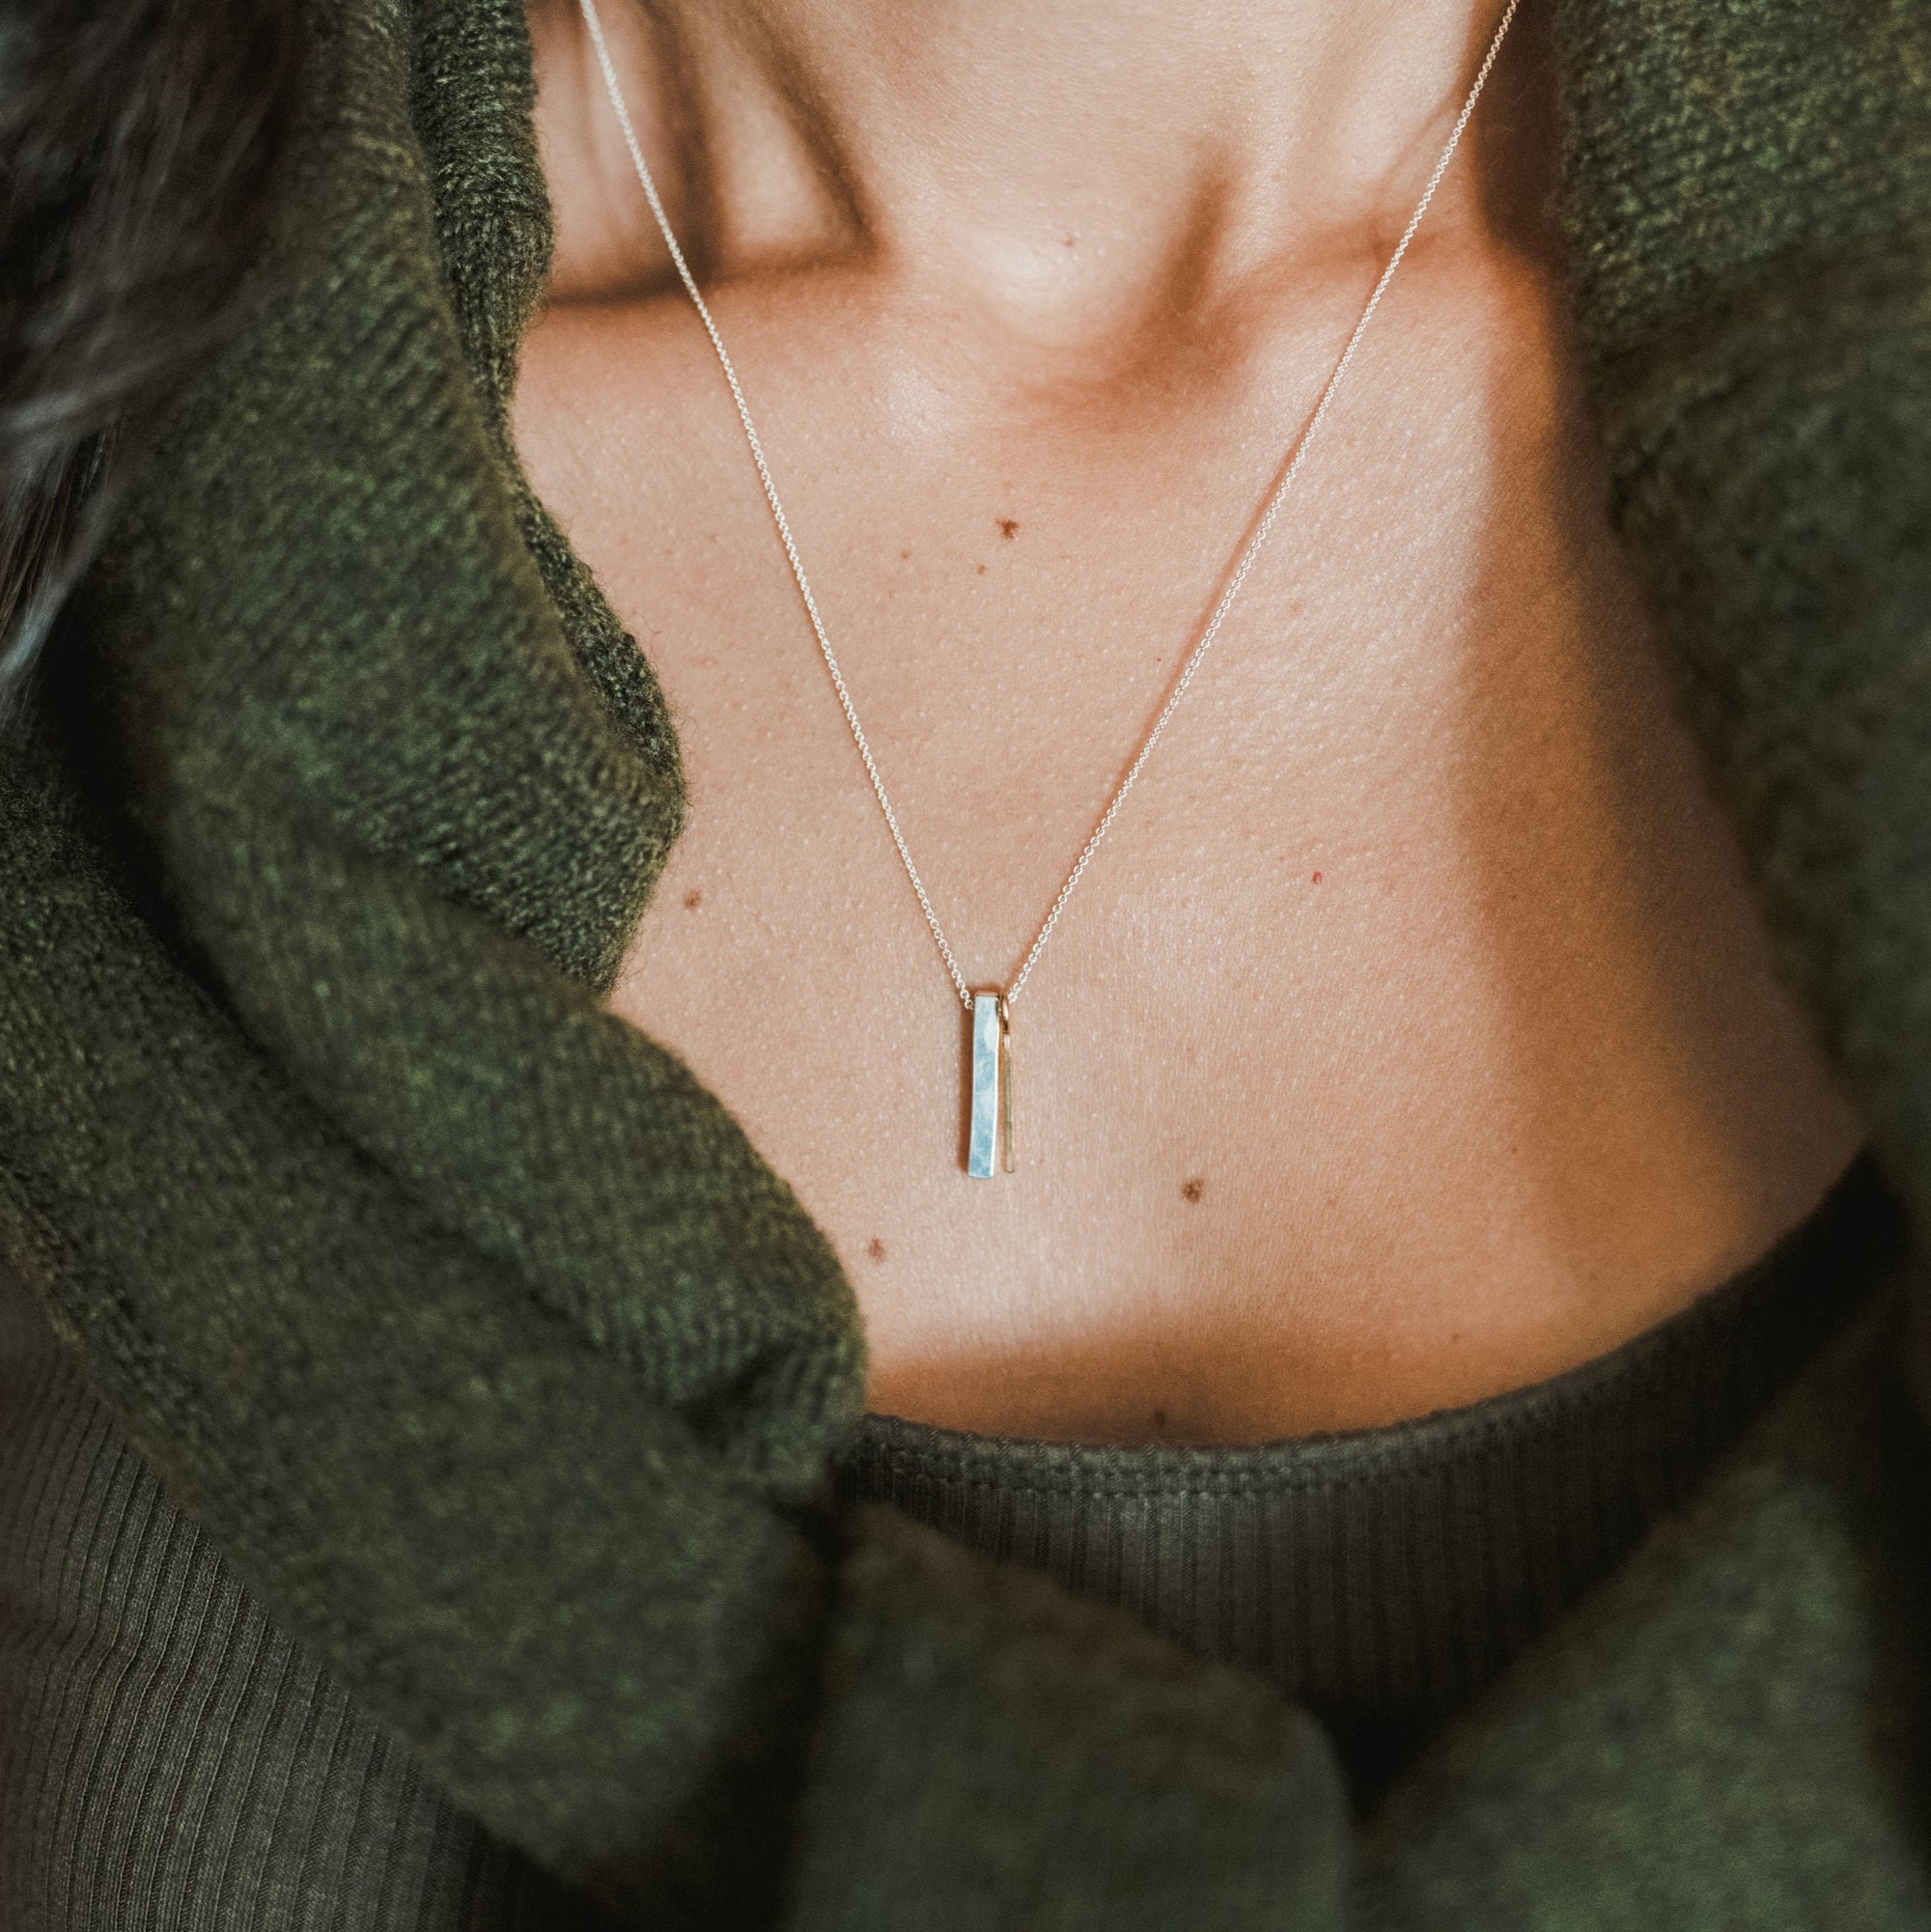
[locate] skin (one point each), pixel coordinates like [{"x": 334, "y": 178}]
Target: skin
[{"x": 1413, "y": 1035}]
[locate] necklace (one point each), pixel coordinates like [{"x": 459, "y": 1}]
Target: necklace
[{"x": 990, "y": 1144}]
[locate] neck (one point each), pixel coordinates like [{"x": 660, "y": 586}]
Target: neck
[{"x": 1065, "y": 166}]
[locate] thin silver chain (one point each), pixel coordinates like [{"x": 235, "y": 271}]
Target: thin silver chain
[{"x": 1251, "y": 550}]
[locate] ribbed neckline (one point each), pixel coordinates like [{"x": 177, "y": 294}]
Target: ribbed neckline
[{"x": 1385, "y": 1575}]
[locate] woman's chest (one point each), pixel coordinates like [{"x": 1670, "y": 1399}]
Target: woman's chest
[{"x": 1410, "y": 1034}]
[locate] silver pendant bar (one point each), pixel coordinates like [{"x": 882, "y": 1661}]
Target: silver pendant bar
[
  {"x": 1006, "y": 1156},
  {"x": 990, "y": 1134}
]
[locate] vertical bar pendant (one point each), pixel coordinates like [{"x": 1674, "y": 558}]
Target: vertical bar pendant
[
  {"x": 1008, "y": 1161},
  {"x": 982, "y": 1143}
]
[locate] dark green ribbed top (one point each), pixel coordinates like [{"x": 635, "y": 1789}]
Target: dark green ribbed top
[{"x": 1385, "y": 1576}]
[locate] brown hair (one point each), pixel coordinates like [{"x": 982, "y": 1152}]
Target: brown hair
[{"x": 137, "y": 139}]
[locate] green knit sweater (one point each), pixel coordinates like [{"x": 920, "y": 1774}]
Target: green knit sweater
[{"x": 502, "y": 1369}]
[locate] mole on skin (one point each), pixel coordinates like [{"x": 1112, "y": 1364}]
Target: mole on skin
[{"x": 1191, "y": 1190}]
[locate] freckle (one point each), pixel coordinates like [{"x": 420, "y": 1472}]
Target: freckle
[
  {"x": 1008, "y": 529},
  {"x": 903, "y": 554},
  {"x": 694, "y": 899},
  {"x": 982, "y": 569},
  {"x": 1317, "y": 879},
  {"x": 1160, "y": 1418},
  {"x": 876, "y": 1248},
  {"x": 1191, "y": 1190},
  {"x": 1068, "y": 243}
]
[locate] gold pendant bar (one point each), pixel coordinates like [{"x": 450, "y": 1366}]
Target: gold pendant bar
[{"x": 990, "y": 1128}]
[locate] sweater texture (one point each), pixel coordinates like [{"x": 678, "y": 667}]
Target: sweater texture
[{"x": 475, "y": 1335}]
